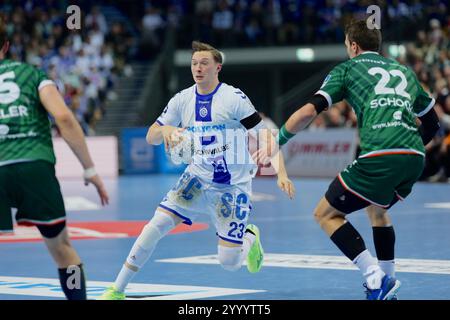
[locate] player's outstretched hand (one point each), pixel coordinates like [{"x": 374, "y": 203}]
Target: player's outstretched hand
[
  {"x": 98, "y": 183},
  {"x": 286, "y": 185},
  {"x": 172, "y": 136}
]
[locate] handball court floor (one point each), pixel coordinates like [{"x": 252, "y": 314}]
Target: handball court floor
[{"x": 301, "y": 262}]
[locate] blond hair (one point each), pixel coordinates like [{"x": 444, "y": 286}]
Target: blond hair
[{"x": 201, "y": 46}]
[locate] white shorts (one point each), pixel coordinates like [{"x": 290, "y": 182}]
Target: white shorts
[{"x": 228, "y": 205}]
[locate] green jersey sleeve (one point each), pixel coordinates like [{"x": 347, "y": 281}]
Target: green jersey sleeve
[
  {"x": 333, "y": 87},
  {"x": 423, "y": 102},
  {"x": 42, "y": 79}
]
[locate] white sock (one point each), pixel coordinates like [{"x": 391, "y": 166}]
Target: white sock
[
  {"x": 364, "y": 260},
  {"x": 388, "y": 267},
  {"x": 136, "y": 259},
  {"x": 370, "y": 269},
  {"x": 123, "y": 278}
]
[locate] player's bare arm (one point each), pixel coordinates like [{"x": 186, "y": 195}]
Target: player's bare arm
[
  {"x": 301, "y": 118},
  {"x": 284, "y": 183},
  {"x": 73, "y": 134},
  {"x": 270, "y": 153}
]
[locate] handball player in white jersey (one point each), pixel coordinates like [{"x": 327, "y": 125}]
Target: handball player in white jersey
[{"x": 215, "y": 119}]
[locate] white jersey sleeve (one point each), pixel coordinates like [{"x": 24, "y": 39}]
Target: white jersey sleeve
[
  {"x": 244, "y": 107},
  {"x": 246, "y": 110},
  {"x": 171, "y": 115}
]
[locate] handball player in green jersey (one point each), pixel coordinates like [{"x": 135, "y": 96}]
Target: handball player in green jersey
[
  {"x": 27, "y": 162},
  {"x": 387, "y": 99}
]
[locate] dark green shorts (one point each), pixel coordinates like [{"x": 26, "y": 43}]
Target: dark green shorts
[
  {"x": 380, "y": 179},
  {"x": 33, "y": 189}
]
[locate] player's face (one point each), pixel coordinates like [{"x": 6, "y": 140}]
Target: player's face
[{"x": 204, "y": 68}]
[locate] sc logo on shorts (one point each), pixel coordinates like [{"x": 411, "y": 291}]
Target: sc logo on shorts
[
  {"x": 229, "y": 205},
  {"x": 235, "y": 208}
]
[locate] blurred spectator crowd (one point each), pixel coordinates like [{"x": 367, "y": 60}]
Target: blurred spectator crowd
[
  {"x": 237, "y": 23},
  {"x": 84, "y": 63},
  {"x": 429, "y": 57}
]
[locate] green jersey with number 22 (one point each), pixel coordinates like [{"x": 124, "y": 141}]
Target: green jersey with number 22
[{"x": 386, "y": 97}]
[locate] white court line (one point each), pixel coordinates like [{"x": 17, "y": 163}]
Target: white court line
[
  {"x": 437, "y": 205},
  {"x": 42, "y": 287},
  {"x": 326, "y": 262},
  {"x": 259, "y": 196}
]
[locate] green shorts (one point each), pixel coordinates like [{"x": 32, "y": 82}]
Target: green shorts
[
  {"x": 380, "y": 179},
  {"x": 33, "y": 189}
]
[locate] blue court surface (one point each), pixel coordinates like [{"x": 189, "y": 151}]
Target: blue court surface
[{"x": 301, "y": 262}]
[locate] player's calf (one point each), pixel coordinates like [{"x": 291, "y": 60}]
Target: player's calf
[{"x": 70, "y": 271}]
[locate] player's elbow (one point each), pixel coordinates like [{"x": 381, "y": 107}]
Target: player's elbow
[
  {"x": 303, "y": 116},
  {"x": 64, "y": 118},
  {"x": 309, "y": 111}
]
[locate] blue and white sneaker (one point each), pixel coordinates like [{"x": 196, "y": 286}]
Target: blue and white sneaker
[
  {"x": 394, "y": 297},
  {"x": 388, "y": 290}
]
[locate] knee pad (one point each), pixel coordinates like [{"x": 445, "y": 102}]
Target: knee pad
[
  {"x": 153, "y": 231},
  {"x": 230, "y": 258},
  {"x": 163, "y": 222}
]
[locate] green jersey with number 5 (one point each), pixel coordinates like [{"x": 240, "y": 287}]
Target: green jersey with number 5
[
  {"x": 24, "y": 124},
  {"x": 386, "y": 97}
]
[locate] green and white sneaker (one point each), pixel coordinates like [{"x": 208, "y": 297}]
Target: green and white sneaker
[
  {"x": 255, "y": 255},
  {"x": 111, "y": 293}
]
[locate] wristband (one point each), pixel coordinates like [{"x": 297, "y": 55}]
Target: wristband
[
  {"x": 89, "y": 173},
  {"x": 284, "y": 136}
]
